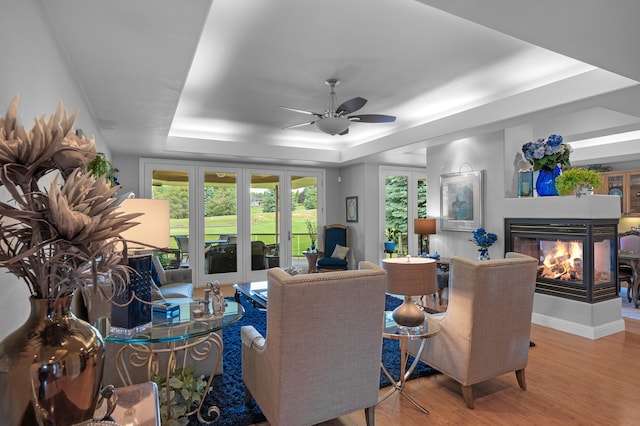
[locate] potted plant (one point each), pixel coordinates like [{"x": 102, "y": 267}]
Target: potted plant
[
  {"x": 312, "y": 230},
  {"x": 578, "y": 180},
  {"x": 185, "y": 391},
  {"x": 391, "y": 234}
]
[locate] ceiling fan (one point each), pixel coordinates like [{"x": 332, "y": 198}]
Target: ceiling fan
[{"x": 336, "y": 121}]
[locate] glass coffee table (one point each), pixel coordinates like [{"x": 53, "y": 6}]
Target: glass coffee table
[{"x": 187, "y": 331}]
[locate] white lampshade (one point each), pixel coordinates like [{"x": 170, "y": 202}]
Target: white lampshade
[
  {"x": 333, "y": 125},
  {"x": 152, "y": 230}
]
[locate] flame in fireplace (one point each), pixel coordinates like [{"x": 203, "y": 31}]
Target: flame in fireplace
[{"x": 564, "y": 261}]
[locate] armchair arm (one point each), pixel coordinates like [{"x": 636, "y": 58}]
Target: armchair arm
[{"x": 252, "y": 338}]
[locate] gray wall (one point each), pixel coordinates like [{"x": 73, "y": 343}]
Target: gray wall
[{"x": 36, "y": 69}]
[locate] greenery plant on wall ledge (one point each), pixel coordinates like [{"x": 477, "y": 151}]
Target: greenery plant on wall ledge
[
  {"x": 101, "y": 166},
  {"x": 578, "y": 180}
]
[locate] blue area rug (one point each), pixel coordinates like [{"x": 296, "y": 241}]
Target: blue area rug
[{"x": 228, "y": 388}]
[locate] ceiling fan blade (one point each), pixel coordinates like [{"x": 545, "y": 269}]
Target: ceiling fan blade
[
  {"x": 317, "y": 114},
  {"x": 372, "y": 118},
  {"x": 352, "y": 105},
  {"x": 293, "y": 126},
  {"x": 346, "y": 131}
]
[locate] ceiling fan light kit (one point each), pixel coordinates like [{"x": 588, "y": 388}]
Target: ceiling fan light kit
[
  {"x": 333, "y": 125},
  {"x": 336, "y": 121}
]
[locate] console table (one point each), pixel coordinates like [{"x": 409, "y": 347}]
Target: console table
[{"x": 197, "y": 337}]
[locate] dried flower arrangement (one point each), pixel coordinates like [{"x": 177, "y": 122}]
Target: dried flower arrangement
[{"x": 66, "y": 236}]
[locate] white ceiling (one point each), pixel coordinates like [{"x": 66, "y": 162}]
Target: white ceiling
[{"x": 204, "y": 79}]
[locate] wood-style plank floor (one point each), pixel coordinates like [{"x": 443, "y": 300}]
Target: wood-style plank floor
[{"x": 571, "y": 380}]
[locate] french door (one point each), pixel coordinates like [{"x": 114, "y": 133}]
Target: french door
[
  {"x": 403, "y": 195},
  {"x": 232, "y": 223}
]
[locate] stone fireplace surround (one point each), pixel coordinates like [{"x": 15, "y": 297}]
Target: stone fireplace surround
[{"x": 590, "y": 320}]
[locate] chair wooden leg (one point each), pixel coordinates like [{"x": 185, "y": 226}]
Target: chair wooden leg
[
  {"x": 369, "y": 414},
  {"x": 521, "y": 380},
  {"x": 467, "y": 395}
]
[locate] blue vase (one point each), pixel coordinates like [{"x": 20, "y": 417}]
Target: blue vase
[
  {"x": 484, "y": 254},
  {"x": 546, "y": 182}
]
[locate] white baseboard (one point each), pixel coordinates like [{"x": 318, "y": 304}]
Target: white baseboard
[{"x": 590, "y": 332}]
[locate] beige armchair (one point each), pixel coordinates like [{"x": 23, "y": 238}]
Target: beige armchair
[
  {"x": 485, "y": 330},
  {"x": 321, "y": 357}
]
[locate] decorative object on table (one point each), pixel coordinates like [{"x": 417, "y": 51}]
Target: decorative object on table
[
  {"x": 484, "y": 240},
  {"x": 312, "y": 230},
  {"x": 391, "y": 234},
  {"x": 461, "y": 201},
  {"x": 410, "y": 276},
  {"x": 185, "y": 393},
  {"x": 525, "y": 183},
  {"x": 424, "y": 227},
  {"x": 352, "y": 209},
  {"x": 547, "y": 156},
  {"x": 166, "y": 310},
  {"x": 60, "y": 233},
  {"x": 579, "y": 181},
  {"x": 292, "y": 270},
  {"x": 217, "y": 300}
]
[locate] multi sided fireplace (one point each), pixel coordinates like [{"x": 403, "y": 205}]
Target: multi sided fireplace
[{"x": 577, "y": 258}]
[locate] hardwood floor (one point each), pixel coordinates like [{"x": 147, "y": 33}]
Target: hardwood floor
[{"x": 571, "y": 380}]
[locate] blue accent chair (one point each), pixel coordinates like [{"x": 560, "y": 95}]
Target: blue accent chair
[{"x": 333, "y": 234}]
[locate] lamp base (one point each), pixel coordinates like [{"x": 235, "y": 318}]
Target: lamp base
[{"x": 408, "y": 314}]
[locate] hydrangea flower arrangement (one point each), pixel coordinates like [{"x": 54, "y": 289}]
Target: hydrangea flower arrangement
[
  {"x": 483, "y": 238},
  {"x": 547, "y": 153}
]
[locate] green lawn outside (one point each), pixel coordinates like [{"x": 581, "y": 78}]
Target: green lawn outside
[{"x": 262, "y": 223}]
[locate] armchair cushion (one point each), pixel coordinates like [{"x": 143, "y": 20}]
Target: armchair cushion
[
  {"x": 340, "y": 252},
  {"x": 157, "y": 272}
]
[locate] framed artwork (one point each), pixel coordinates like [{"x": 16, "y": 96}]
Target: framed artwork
[
  {"x": 461, "y": 201},
  {"x": 352, "y": 209}
]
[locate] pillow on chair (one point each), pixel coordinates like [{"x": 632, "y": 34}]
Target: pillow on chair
[
  {"x": 340, "y": 252},
  {"x": 157, "y": 272}
]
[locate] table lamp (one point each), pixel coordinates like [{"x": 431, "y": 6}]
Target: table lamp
[
  {"x": 410, "y": 276},
  {"x": 424, "y": 226},
  {"x": 132, "y": 308}
]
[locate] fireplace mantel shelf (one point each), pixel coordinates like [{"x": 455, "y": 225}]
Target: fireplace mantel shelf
[{"x": 567, "y": 207}]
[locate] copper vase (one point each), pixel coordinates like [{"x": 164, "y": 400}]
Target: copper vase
[{"x": 50, "y": 368}]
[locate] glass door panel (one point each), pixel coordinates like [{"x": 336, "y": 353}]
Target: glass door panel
[
  {"x": 634, "y": 194},
  {"x": 304, "y": 218},
  {"x": 265, "y": 216},
  {"x": 220, "y": 222},
  {"x": 396, "y": 210},
  {"x": 173, "y": 185}
]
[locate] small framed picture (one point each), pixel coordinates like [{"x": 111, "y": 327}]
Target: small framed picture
[
  {"x": 461, "y": 201},
  {"x": 352, "y": 209}
]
